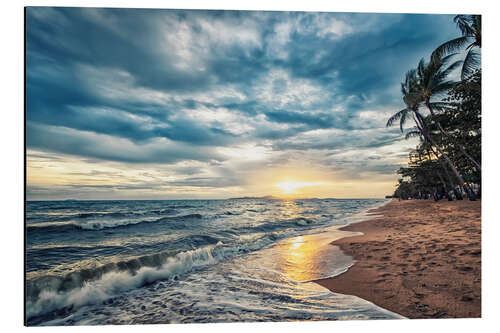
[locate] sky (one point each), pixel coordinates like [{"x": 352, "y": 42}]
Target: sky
[{"x": 185, "y": 104}]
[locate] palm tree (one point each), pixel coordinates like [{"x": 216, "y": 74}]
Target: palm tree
[
  {"x": 413, "y": 98},
  {"x": 433, "y": 82},
  {"x": 470, "y": 27}
]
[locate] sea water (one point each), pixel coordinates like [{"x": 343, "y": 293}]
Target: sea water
[{"x": 184, "y": 261}]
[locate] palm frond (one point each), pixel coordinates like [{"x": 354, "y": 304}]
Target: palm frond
[
  {"x": 421, "y": 68},
  {"x": 471, "y": 62},
  {"x": 447, "y": 58},
  {"x": 402, "y": 121},
  {"x": 476, "y": 23},
  {"x": 464, "y": 23},
  {"x": 440, "y": 106},
  {"x": 398, "y": 116},
  {"x": 451, "y": 68},
  {"x": 451, "y": 46},
  {"x": 409, "y": 88},
  {"x": 443, "y": 88}
]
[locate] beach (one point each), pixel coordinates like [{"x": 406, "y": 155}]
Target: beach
[{"x": 417, "y": 258}]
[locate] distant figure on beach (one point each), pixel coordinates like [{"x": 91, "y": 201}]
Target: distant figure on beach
[{"x": 458, "y": 193}]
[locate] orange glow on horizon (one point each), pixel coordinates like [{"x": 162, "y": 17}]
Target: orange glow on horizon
[{"x": 291, "y": 186}]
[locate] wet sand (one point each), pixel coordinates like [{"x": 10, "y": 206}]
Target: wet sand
[{"x": 420, "y": 259}]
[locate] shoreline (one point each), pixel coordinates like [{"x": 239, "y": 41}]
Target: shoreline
[{"x": 417, "y": 258}]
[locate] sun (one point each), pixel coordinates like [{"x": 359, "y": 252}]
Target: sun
[{"x": 291, "y": 186}]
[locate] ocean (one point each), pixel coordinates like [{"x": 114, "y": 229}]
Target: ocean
[{"x": 186, "y": 261}]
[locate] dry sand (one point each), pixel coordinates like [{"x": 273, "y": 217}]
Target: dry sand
[{"x": 421, "y": 259}]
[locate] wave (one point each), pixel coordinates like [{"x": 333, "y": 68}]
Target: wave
[
  {"x": 262, "y": 210},
  {"x": 279, "y": 225},
  {"x": 184, "y": 206},
  {"x": 44, "y": 258},
  {"x": 41, "y": 218},
  {"x": 92, "y": 286},
  {"x": 108, "y": 282},
  {"x": 53, "y": 227},
  {"x": 175, "y": 222},
  {"x": 167, "y": 211},
  {"x": 232, "y": 213},
  {"x": 303, "y": 221},
  {"x": 99, "y": 225}
]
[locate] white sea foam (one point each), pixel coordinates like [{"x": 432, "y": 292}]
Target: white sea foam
[
  {"x": 113, "y": 283},
  {"x": 112, "y": 223}
]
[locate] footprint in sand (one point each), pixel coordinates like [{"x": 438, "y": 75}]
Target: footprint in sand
[
  {"x": 466, "y": 298},
  {"x": 464, "y": 268}
]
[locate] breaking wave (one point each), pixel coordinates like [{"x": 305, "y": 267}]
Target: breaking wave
[
  {"x": 91, "y": 286},
  {"x": 99, "y": 225}
]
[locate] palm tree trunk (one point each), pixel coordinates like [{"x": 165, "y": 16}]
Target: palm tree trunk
[
  {"x": 447, "y": 174},
  {"x": 450, "y": 185},
  {"x": 450, "y": 163},
  {"x": 428, "y": 137},
  {"x": 441, "y": 179},
  {"x": 470, "y": 192},
  {"x": 450, "y": 182},
  {"x": 462, "y": 149}
]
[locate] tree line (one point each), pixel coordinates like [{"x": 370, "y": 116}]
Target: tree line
[{"x": 446, "y": 114}]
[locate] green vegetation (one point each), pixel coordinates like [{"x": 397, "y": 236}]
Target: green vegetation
[{"x": 447, "y": 120}]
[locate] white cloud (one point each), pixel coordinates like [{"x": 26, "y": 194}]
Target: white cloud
[{"x": 279, "y": 90}]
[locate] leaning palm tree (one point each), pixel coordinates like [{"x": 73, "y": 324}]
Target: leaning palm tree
[
  {"x": 433, "y": 82},
  {"x": 470, "y": 27},
  {"x": 413, "y": 99},
  {"x": 425, "y": 149}
]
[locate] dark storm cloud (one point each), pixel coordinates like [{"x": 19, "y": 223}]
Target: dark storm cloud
[
  {"x": 369, "y": 62},
  {"x": 89, "y": 145},
  {"x": 138, "y": 74},
  {"x": 313, "y": 121},
  {"x": 115, "y": 38}
]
